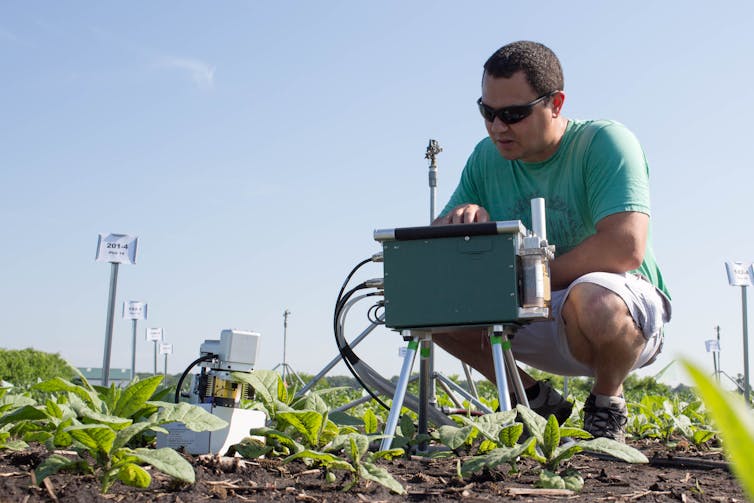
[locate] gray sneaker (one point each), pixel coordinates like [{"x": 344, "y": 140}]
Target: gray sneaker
[
  {"x": 606, "y": 416},
  {"x": 549, "y": 401}
]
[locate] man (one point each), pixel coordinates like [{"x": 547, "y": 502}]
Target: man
[{"x": 609, "y": 302}]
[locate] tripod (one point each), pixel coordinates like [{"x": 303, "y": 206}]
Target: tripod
[{"x": 285, "y": 369}]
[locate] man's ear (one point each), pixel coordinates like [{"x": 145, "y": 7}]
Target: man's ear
[{"x": 557, "y": 101}]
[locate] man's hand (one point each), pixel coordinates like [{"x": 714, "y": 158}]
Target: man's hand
[{"x": 464, "y": 214}]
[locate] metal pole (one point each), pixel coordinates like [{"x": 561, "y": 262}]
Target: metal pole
[
  {"x": 285, "y": 342},
  {"x": 133, "y": 349},
  {"x": 109, "y": 324},
  {"x": 154, "y": 371},
  {"x": 427, "y": 391},
  {"x": 747, "y": 387},
  {"x": 717, "y": 356},
  {"x": 165, "y": 374}
]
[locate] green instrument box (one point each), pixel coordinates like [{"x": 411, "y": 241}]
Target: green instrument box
[{"x": 453, "y": 275}]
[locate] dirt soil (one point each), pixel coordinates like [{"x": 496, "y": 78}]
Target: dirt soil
[{"x": 678, "y": 474}]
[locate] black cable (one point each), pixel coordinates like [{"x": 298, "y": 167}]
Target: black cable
[
  {"x": 188, "y": 369},
  {"x": 373, "y": 315},
  {"x": 345, "y": 350},
  {"x": 350, "y": 275}
]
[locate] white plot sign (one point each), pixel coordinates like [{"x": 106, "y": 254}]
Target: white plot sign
[
  {"x": 712, "y": 345},
  {"x": 116, "y": 248},
  {"x": 154, "y": 334},
  {"x": 166, "y": 349},
  {"x": 135, "y": 310}
]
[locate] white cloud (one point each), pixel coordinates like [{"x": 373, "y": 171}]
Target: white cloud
[{"x": 200, "y": 72}]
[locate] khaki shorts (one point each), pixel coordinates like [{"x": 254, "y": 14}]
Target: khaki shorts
[{"x": 543, "y": 344}]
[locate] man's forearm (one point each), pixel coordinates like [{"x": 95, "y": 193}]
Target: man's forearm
[{"x": 618, "y": 246}]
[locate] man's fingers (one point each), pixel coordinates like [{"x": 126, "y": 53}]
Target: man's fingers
[{"x": 464, "y": 214}]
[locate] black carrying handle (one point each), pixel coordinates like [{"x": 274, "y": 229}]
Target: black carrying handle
[{"x": 446, "y": 231}]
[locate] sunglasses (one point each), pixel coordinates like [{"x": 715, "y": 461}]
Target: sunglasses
[{"x": 512, "y": 114}]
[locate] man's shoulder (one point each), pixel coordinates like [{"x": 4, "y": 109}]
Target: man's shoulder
[
  {"x": 592, "y": 126},
  {"x": 601, "y": 133}
]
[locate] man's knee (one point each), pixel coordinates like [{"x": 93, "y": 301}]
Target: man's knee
[{"x": 597, "y": 314}]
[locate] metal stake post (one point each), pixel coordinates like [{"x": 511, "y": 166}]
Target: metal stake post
[
  {"x": 717, "y": 357},
  {"x": 109, "y": 323},
  {"x": 133, "y": 349},
  {"x": 747, "y": 386},
  {"x": 286, "y": 313}
]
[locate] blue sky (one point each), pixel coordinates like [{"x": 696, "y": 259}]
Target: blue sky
[{"x": 254, "y": 147}]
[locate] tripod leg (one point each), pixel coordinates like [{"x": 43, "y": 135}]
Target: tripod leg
[
  {"x": 515, "y": 378},
  {"x": 496, "y": 339},
  {"x": 400, "y": 393}
]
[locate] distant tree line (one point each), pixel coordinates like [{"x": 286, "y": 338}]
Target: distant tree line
[{"x": 25, "y": 367}]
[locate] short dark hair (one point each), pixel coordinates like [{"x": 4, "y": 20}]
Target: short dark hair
[{"x": 537, "y": 61}]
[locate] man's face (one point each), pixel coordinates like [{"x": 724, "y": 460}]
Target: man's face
[{"x": 531, "y": 139}]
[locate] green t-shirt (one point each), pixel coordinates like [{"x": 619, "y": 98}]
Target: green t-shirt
[{"x": 599, "y": 169}]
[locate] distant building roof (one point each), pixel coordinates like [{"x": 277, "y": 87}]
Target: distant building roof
[{"x": 95, "y": 374}]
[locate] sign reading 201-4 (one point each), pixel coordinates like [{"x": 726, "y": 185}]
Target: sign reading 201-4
[{"x": 117, "y": 248}]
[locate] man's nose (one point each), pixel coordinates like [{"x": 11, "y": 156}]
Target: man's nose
[{"x": 498, "y": 125}]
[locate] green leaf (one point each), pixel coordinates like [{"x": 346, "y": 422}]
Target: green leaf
[
  {"x": 549, "y": 480},
  {"x": 282, "y": 391},
  {"x": 563, "y": 453},
  {"x": 134, "y": 475},
  {"x": 135, "y": 396},
  {"x": 388, "y": 454},
  {"x": 39, "y": 437},
  {"x": 14, "y": 445},
  {"x": 250, "y": 448},
  {"x": 355, "y": 444},
  {"x": 85, "y": 413},
  {"x": 168, "y": 461},
  {"x": 702, "y": 436},
  {"x": 489, "y": 425},
  {"x": 535, "y": 423},
  {"x": 313, "y": 402},
  {"x": 574, "y": 481},
  {"x": 551, "y": 436},
  {"x": 277, "y": 436},
  {"x": 378, "y": 474},
  {"x": 96, "y": 437},
  {"x": 53, "y": 409},
  {"x": 126, "y": 434},
  {"x": 345, "y": 419},
  {"x": 370, "y": 422},
  {"x": 25, "y": 413},
  {"x": 736, "y": 423},
  {"x": 265, "y": 383},
  {"x": 14, "y": 401},
  {"x": 509, "y": 435},
  {"x": 59, "y": 385},
  {"x": 567, "y": 431},
  {"x": 194, "y": 417},
  {"x": 496, "y": 457},
  {"x": 327, "y": 459},
  {"x": 407, "y": 427},
  {"x": 453, "y": 436},
  {"x": 613, "y": 448},
  {"x": 56, "y": 463},
  {"x": 486, "y": 446},
  {"x": 306, "y": 422}
]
